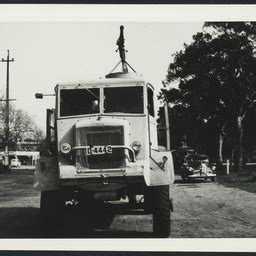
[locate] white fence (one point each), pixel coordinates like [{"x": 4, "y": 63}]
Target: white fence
[{"x": 227, "y": 164}]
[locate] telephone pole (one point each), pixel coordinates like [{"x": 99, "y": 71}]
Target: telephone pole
[{"x": 8, "y": 60}]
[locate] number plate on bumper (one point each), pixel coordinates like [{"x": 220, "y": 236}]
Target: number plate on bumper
[{"x": 98, "y": 150}]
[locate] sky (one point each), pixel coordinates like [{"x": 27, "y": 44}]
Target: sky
[{"x": 47, "y": 53}]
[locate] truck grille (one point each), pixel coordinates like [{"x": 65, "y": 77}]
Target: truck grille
[{"x": 100, "y": 136}]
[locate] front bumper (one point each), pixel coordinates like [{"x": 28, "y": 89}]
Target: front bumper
[
  {"x": 103, "y": 184},
  {"x": 71, "y": 172},
  {"x": 101, "y": 180},
  {"x": 198, "y": 175}
]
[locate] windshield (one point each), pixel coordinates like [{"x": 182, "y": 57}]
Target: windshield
[
  {"x": 123, "y": 100},
  {"x": 79, "y": 101}
]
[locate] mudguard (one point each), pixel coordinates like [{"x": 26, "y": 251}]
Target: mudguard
[
  {"x": 161, "y": 169},
  {"x": 47, "y": 174}
]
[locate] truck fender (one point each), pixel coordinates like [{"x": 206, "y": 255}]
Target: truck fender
[
  {"x": 161, "y": 169},
  {"x": 47, "y": 174}
]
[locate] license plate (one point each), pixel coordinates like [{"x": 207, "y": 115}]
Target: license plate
[{"x": 98, "y": 150}]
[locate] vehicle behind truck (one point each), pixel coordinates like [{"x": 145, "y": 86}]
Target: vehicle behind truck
[{"x": 102, "y": 147}]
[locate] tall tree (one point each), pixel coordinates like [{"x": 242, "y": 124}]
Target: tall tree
[
  {"x": 217, "y": 79},
  {"x": 21, "y": 126}
]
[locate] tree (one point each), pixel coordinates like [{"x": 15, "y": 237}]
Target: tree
[
  {"x": 38, "y": 134},
  {"x": 21, "y": 126},
  {"x": 216, "y": 75}
]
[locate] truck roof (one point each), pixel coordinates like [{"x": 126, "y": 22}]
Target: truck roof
[
  {"x": 113, "y": 78},
  {"x": 102, "y": 81},
  {"x": 93, "y": 83}
]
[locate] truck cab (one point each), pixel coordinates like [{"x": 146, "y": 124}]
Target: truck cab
[{"x": 104, "y": 128}]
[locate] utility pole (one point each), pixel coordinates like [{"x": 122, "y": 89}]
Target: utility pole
[
  {"x": 8, "y": 60},
  {"x": 167, "y": 126}
]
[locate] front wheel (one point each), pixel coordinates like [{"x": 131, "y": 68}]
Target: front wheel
[
  {"x": 132, "y": 200},
  {"x": 161, "y": 211},
  {"x": 51, "y": 213},
  {"x": 184, "y": 178}
]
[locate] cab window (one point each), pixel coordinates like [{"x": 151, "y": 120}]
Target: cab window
[
  {"x": 123, "y": 100},
  {"x": 79, "y": 101}
]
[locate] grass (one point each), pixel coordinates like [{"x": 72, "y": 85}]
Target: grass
[{"x": 244, "y": 181}]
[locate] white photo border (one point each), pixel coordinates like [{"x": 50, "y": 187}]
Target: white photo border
[{"x": 128, "y": 13}]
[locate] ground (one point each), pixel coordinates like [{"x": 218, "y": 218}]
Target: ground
[{"x": 202, "y": 209}]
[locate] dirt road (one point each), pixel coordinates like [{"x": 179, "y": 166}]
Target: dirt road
[{"x": 201, "y": 210}]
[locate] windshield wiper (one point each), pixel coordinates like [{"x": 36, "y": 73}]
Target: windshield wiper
[{"x": 96, "y": 97}]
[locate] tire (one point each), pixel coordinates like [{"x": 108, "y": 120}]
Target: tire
[
  {"x": 161, "y": 211},
  {"x": 51, "y": 213},
  {"x": 132, "y": 200},
  {"x": 183, "y": 177},
  {"x": 212, "y": 179}
]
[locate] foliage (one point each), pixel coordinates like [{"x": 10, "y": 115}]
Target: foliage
[
  {"x": 21, "y": 127},
  {"x": 216, "y": 78}
]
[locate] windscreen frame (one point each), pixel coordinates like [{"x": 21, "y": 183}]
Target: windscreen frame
[{"x": 101, "y": 87}]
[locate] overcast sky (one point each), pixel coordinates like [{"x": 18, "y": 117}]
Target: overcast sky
[{"x": 48, "y": 53}]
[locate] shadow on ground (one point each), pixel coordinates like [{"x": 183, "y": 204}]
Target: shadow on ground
[
  {"x": 120, "y": 234},
  {"x": 18, "y": 222},
  {"x": 189, "y": 182}
]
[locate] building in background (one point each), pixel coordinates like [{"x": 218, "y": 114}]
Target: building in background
[
  {"x": 26, "y": 151},
  {"x": 25, "y": 157}
]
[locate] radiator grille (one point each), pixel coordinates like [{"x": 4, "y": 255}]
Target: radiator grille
[{"x": 100, "y": 136}]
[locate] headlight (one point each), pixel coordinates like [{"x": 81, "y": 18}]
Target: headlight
[
  {"x": 213, "y": 167},
  {"x": 65, "y": 148},
  {"x": 136, "y": 146}
]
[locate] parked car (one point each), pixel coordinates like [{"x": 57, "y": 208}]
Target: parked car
[
  {"x": 179, "y": 155},
  {"x": 197, "y": 166},
  {"x": 15, "y": 163}
]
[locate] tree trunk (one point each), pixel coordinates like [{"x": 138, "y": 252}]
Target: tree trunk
[
  {"x": 232, "y": 158},
  {"x": 221, "y": 138},
  {"x": 240, "y": 143}
]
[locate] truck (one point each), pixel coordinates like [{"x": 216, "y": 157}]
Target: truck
[{"x": 101, "y": 147}]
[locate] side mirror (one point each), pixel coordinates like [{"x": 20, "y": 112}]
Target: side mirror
[{"x": 39, "y": 95}]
